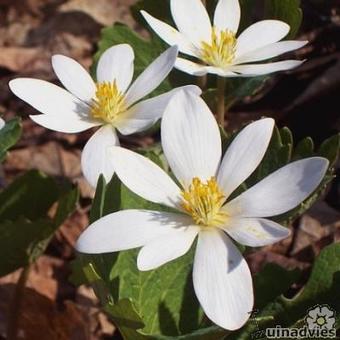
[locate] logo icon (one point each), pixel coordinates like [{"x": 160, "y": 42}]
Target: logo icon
[
  {"x": 321, "y": 316},
  {"x": 319, "y": 323}
]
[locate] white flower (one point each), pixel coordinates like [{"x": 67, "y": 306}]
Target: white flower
[
  {"x": 321, "y": 316},
  {"x": 110, "y": 102},
  {"x": 219, "y": 49},
  {"x": 2, "y": 123},
  {"x": 192, "y": 145}
]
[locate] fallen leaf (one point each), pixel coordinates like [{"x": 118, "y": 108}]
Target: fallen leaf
[{"x": 19, "y": 59}]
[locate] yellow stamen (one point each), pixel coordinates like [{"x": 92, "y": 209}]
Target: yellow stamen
[
  {"x": 221, "y": 50},
  {"x": 203, "y": 201},
  {"x": 108, "y": 103}
]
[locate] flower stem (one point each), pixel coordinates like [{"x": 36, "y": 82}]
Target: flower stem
[
  {"x": 202, "y": 82},
  {"x": 220, "y": 110},
  {"x": 15, "y": 306}
]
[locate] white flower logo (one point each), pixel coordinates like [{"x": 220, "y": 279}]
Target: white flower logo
[{"x": 321, "y": 316}]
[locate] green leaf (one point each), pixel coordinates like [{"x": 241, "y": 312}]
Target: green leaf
[
  {"x": 304, "y": 149},
  {"x": 26, "y": 227},
  {"x": 330, "y": 149},
  {"x": 271, "y": 282},
  {"x": 153, "y": 7},
  {"x": 145, "y": 51},
  {"x": 286, "y": 136},
  {"x": 98, "y": 200},
  {"x": 130, "y": 322},
  {"x": 20, "y": 241},
  {"x": 9, "y": 135},
  {"x": 30, "y": 195},
  {"x": 67, "y": 202},
  {"x": 240, "y": 88},
  {"x": 288, "y": 11},
  {"x": 322, "y": 286},
  {"x": 124, "y": 313},
  {"x": 160, "y": 295}
]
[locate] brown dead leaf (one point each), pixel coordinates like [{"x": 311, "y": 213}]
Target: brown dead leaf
[
  {"x": 46, "y": 312},
  {"x": 89, "y": 302},
  {"x": 308, "y": 232},
  {"x": 19, "y": 59},
  {"x": 258, "y": 259},
  {"x": 105, "y": 324},
  {"x": 41, "y": 277},
  {"x": 103, "y": 11},
  {"x": 40, "y": 319},
  {"x": 52, "y": 159}
]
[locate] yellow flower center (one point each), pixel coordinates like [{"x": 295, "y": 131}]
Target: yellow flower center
[
  {"x": 108, "y": 103},
  {"x": 221, "y": 50},
  {"x": 203, "y": 201},
  {"x": 320, "y": 320}
]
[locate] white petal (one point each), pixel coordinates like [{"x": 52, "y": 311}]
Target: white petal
[
  {"x": 244, "y": 154},
  {"x": 145, "y": 113},
  {"x": 2, "y": 123},
  {"x": 270, "y": 51},
  {"x": 196, "y": 69},
  {"x": 47, "y": 97},
  {"x": 62, "y": 111},
  {"x": 327, "y": 312},
  {"x": 281, "y": 191},
  {"x": 314, "y": 312},
  {"x": 221, "y": 72},
  {"x": 94, "y": 158},
  {"x": 116, "y": 64},
  {"x": 260, "y": 34},
  {"x": 222, "y": 280},
  {"x": 170, "y": 35},
  {"x": 255, "y": 232},
  {"x": 154, "y": 108},
  {"x": 190, "y": 67},
  {"x": 227, "y": 15},
  {"x": 133, "y": 125},
  {"x": 144, "y": 177},
  {"x": 261, "y": 69},
  {"x": 152, "y": 76},
  {"x": 64, "y": 123},
  {"x": 192, "y": 20},
  {"x": 166, "y": 248},
  {"x": 74, "y": 77},
  {"x": 190, "y": 138},
  {"x": 127, "y": 229}
]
